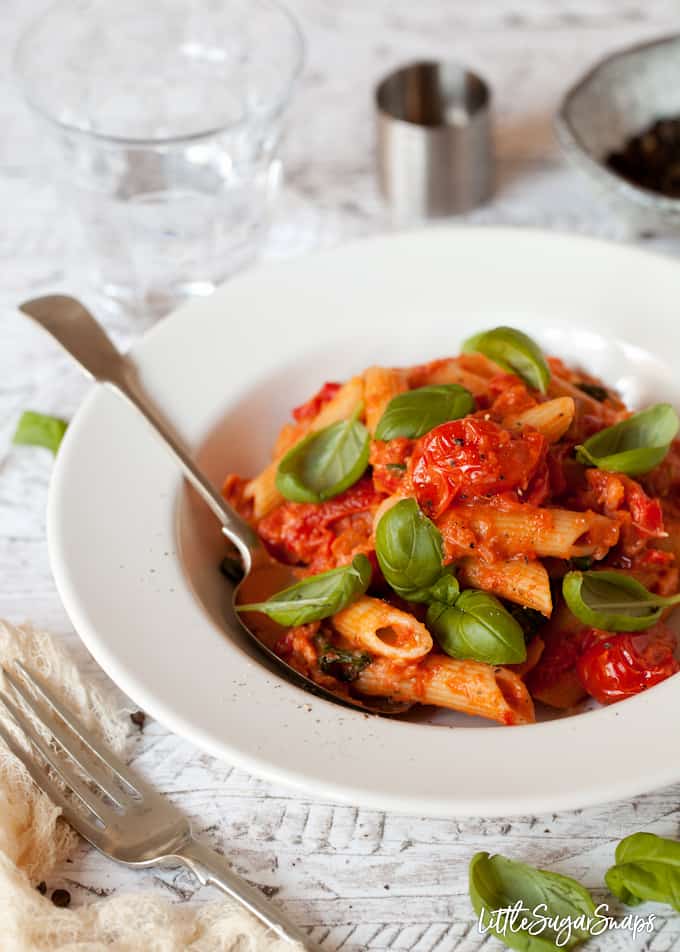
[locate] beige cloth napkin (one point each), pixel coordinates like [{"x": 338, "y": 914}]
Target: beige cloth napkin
[{"x": 33, "y": 839}]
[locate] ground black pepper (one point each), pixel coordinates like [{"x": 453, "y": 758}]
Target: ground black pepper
[{"x": 651, "y": 159}]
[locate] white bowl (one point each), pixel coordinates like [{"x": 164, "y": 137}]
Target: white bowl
[{"x": 135, "y": 556}]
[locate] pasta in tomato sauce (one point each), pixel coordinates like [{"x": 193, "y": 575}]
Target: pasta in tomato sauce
[{"x": 471, "y": 521}]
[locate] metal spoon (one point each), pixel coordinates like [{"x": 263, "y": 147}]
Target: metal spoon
[{"x": 72, "y": 325}]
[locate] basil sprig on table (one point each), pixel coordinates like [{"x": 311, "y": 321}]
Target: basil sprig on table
[
  {"x": 515, "y": 352},
  {"x": 326, "y": 462},
  {"x": 499, "y": 883},
  {"x": 416, "y": 412},
  {"x": 316, "y": 597},
  {"x": 410, "y": 553},
  {"x": 647, "y": 868},
  {"x": 477, "y": 626},
  {"x": 613, "y": 601},
  {"x": 635, "y": 445},
  {"x": 39, "y": 429}
]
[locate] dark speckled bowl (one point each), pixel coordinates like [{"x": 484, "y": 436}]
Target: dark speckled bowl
[{"x": 616, "y": 99}]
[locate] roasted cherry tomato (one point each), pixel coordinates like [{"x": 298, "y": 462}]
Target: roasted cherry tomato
[
  {"x": 613, "y": 667},
  {"x": 646, "y": 513},
  {"x": 308, "y": 410},
  {"x": 472, "y": 457}
]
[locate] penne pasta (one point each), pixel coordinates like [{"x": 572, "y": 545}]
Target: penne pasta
[
  {"x": 559, "y": 387},
  {"x": 385, "y": 631},
  {"x": 522, "y": 581},
  {"x": 552, "y": 418},
  {"x": 380, "y": 385},
  {"x": 467, "y": 686},
  {"x": 262, "y": 488},
  {"x": 289, "y": 435},
  {"x": 526, "y": 530},
  {"x": 448, "y": 371}
]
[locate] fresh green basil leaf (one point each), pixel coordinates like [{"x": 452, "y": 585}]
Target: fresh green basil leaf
[
  {"x": 416, "y": 412},
  {"x": 410, "y": 551},
  {"x": 529, "y": 619},
  {"x": 613, "y": 601},
  {"x": 562, "y": 906},
  {"x": 339, "y": 663},
  {"x": 593, "y": 390},
  {"x": 316, "y": 597},
  {"x": 445, "y": 590},
  {"x": 633, "y": 446},
  {"x": 515, "y": 352},
  {"x": 325, "y": 463},
  {"x": 232, "y": 569},
  {"x": 39, "y": 429},
  {"x": 477, "y": 627},
  {"x": 647, "y": 868}
]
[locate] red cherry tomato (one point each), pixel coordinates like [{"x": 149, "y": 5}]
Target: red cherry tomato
[
  {"x": 646, "y": 513},
  {"x": 308, "y": 410},
  {"x": 472, "y": 457},
  {"x": 614, "y": 667}
]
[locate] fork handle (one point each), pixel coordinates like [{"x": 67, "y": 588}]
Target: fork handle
[{"x": 210, "y": 868}]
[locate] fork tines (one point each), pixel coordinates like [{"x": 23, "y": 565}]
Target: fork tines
[{"x": 99, "y": 780}]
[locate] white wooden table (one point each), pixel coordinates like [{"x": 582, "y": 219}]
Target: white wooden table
[{"x": 359, "y": 879}]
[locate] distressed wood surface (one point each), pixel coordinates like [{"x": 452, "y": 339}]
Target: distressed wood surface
[{"x": 357, "y": 879}]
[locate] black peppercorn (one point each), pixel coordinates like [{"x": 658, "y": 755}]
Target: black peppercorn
[{"x": 61, "y": 898}]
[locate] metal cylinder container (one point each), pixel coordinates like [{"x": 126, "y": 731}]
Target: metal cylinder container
[{"x": 435, "y": 155}]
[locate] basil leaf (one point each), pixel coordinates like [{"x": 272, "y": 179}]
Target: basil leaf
[
  {"x": 529, "y": 619},
  {"x": 445, "y": 590},
  {"x": 564, "y": 907},
  {"x": 477, "y": 627},
  {"x": 647, "y": 868},
  {"x": 633, "y": 446},
  {"x": 581, "y": 562},
  {"x": 410, "y": 553},
  {"x": 316, "y": 597},
  {"x": 416, "y": 412},
  {"x": 593, "y": 390},
  {"x": 515, "y": 352},
  {"x": 232, "y": 569},
  {"x": 613, "y": 601},
  {"x": 325, "y": 463},
  {"x": 39, "y": 429},
  {"x": 341, "y": 664}
]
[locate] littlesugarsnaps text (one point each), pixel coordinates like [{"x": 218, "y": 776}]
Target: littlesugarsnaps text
[{"x": 518, "y": 918}]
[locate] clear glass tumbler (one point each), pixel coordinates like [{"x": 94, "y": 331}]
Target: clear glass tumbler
[{"x": 163, "y": 122}]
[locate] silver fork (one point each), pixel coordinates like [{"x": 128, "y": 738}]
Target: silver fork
[{"x": 110, "y": 807}]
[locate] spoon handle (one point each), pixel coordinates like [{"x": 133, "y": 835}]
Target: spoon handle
[{"x": 72, "y": 325}]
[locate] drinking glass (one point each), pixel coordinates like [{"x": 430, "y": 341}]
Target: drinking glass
[{"x": 163, "y": 121}]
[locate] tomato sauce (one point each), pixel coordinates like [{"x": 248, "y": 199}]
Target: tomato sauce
[
  {"x": 308, "y": 410},
  {"x": 307, "y": 533}
]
